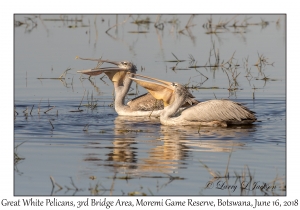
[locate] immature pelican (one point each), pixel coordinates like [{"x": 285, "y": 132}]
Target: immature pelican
[
  {"x": 208, "y": 113},
  {"x": 144, "y": 105}
]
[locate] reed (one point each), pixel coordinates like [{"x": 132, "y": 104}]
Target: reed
[
  {"x": 49, "y": 109},
  {"x": 118, "y": 24},
  {"x": 86, "y": 127},
  {"x": 61, "y": 77},
  {"x": 51, "y": 125},
  {"x": 31, "y": 109},
  {"x": 17, "y": 158},
  {"x": 247, "y": 183}
]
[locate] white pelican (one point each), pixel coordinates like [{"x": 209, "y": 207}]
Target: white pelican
[
  {"x": 208, "y": 113},
  {"x": 144, "y": 105}
]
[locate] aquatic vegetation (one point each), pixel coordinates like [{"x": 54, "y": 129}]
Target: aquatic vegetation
[{"x": 72, "y": 130}]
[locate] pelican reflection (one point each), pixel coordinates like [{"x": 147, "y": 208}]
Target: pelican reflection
[{"x": 142, "y": 147}]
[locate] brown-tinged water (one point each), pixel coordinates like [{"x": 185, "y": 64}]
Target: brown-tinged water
[{"x": 106, "y": 154}]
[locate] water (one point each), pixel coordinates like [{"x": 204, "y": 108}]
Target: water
[{"x": 106, "y": 154}]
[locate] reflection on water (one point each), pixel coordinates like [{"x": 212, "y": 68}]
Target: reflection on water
[
  {"x": 141, "y": 148},
  {"x": 168, "y": 150},
  {"x": 218, "y": 56}
]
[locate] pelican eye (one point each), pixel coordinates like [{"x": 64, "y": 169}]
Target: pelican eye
[
  {"x": 174, "y": 84},
  {"x": 124, "y": 63}
]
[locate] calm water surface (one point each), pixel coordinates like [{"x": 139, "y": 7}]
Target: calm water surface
[{"x": 106, "y": 154}]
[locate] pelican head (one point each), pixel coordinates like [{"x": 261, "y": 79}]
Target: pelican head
[
  {"x": 115, "y": 74},
  {"x": 119, "y": 65}
]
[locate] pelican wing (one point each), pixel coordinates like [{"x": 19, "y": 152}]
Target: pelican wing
[
  {"x": 218, "y": 110},
  {"x": 145, "y": 102}
]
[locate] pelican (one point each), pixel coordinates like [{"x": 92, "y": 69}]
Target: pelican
[
  {"x": 144, "y": 105},
  {"x": 209, "y": 113}
]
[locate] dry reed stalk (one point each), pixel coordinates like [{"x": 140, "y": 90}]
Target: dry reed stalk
[
  {"x": 51, "y": 125},
  {"x": 31, "y": 109},
  {"x": 49, "y": 109}
]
